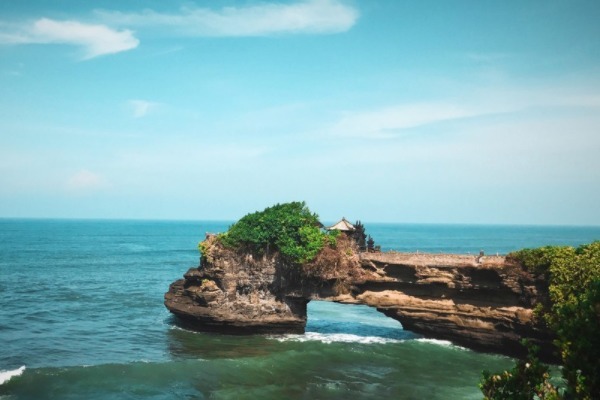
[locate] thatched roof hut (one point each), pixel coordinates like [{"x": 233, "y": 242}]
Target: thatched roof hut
[{"x": 343, "y": 225}]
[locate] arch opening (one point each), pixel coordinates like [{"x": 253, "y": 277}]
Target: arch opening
[{"x": 337, "y": 322}]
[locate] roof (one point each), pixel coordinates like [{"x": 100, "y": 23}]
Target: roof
[{"x": 342, "y": 225}]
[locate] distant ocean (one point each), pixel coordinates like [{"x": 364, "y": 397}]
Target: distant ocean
[{"x": 82, "y": 317}]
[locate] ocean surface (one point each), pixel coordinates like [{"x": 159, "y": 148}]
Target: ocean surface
[{"x": 82, "y": 317}]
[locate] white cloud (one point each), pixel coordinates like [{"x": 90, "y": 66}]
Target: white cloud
[
  {"x": 141, "y": 108},
  {"x": 190, "y": 156},
  {"x": 387, "y": 122},
  {"x": 391, "y": 121},
  {"x": 85, "y": 180},
  {"x": 310, "y": 16},
  {"x": 94, "y": 39},
  {"x": 97, "y": 39}
]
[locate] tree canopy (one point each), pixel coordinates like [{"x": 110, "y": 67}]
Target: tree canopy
[{"x": 289, "y": 228}]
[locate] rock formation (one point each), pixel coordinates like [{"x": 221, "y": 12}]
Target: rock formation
[
  {"x": 484, "y": 303},
  {"x": 234, "y": 292}
]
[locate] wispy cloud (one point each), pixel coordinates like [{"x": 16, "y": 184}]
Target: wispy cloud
[
  {"x": 494, "y": 101},
  {"x": 388, "y": 122},
  {"x": 263, "y": 19},
  {"x": 95, "y": 39},
  {"x": 141, "y": 108},
  {"x": 85, "y": 181}
]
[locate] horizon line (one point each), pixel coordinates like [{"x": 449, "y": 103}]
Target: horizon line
[{"x": 145, "y": 219}]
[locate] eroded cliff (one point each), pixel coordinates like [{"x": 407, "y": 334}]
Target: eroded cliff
[
  {"x": 235, "y": 292},
  {"x": 481, "y": 303}
]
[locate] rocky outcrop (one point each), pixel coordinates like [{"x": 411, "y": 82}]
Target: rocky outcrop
[
  {"x": 234, "y": 292},
  {"x": 482, "y": 303}
]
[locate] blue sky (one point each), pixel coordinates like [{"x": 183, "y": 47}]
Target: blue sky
[{"x": 380, "y": 110}]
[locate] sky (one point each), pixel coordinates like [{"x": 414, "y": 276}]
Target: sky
[{"x": 411, "y": 111}]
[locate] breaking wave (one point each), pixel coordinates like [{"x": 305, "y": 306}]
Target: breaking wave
[
  {"x": 443, "y": 343},
  {"x": 6, "y": 376},
  {"x": 334, "y": 338}
]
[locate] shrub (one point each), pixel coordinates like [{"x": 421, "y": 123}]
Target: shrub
[
  {"x": 573, "y": 314},
  {"x": 360, "y": 236},
  {"x": 290, "y": 228},
  {"x": 529, "y": 379},
  {"x": 578, "y": 330}
]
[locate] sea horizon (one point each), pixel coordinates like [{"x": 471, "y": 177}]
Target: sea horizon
[{"x": 326, "y": 222}]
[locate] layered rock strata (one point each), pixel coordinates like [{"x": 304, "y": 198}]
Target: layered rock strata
[{"x": 484, "y": 303}]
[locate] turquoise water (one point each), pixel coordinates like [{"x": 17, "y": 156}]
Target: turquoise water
[{"x": 81, "y": 309}]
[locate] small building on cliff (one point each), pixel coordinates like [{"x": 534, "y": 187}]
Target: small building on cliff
[{"x": 343, "y": 226}]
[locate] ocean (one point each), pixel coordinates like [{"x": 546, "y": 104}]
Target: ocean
[{"x": 82, "y": 317}]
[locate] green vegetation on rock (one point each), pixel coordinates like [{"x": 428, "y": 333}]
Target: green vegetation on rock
[
  {"x": 290, "y": 228},
  {"x": 573, "y": 313}
]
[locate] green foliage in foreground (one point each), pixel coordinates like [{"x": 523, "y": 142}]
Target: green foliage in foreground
[
  {"x": 573, "y": 314},
  {"x": 290, "y": 228},
  {"x": 527, "y": 380}
]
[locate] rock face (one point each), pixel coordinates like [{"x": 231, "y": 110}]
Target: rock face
[
  {"x": 237, "y": 293},
  {"x": 482, "y": 303}
]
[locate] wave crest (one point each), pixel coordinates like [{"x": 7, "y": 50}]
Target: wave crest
[
  {"x": 443, "y": 343},
  {"x": 335, "y": 338},
  {"x": 6, "y": 376}
]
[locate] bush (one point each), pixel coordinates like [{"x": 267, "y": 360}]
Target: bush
[
  {"x": 538, "y": 261},
  {"x": 360, "y": 236},
  {"x": 529, "y": 379},
  {"x": 569, "y": 270},
  {"x": 578, "y": 329},
  {"x": 290, "y": 228},
  {"x": 573, "y": 276}
]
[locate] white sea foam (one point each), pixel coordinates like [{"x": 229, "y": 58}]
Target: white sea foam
[
  {"x": 334, "y": 338},
  {"x": 444, "y": 343},
  {"x": 6, "y": 376}
]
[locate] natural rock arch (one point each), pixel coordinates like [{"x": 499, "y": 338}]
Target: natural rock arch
[{"x": 481, "y": 303}]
